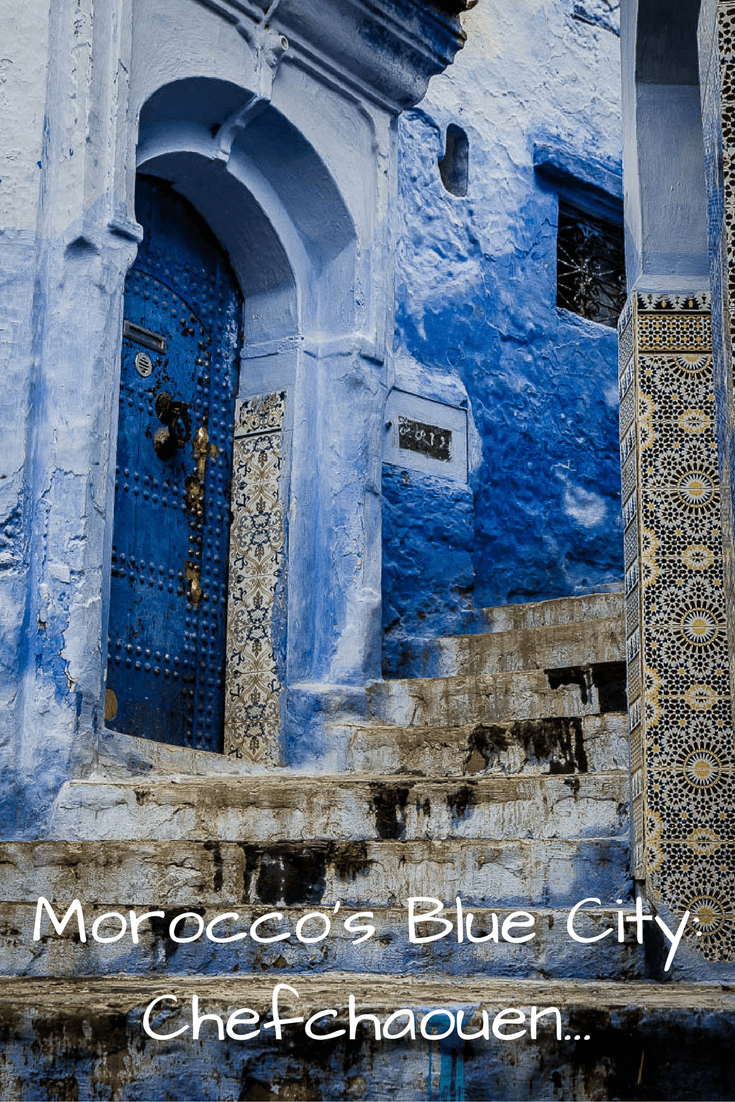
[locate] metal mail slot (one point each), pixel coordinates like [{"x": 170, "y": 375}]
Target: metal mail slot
[{"x": 144, "y": 336}]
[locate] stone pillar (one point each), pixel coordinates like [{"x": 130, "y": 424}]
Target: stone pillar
[{"x": 682, "y": 755}]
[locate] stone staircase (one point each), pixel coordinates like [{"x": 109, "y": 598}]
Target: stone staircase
[{"x": 497, "y": 774}]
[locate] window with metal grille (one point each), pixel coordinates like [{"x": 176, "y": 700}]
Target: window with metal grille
[{"x": 590, "y": 267}]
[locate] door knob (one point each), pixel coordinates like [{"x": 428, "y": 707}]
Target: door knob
[{"x": 174, "y": 416}]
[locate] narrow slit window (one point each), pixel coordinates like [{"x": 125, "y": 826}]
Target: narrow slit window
[
  {"x": 590, "y": 268},
  {"x": 454, "y": 165}
]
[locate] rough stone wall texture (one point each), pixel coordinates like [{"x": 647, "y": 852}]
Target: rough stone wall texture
[{"x": 476, "y": 300}]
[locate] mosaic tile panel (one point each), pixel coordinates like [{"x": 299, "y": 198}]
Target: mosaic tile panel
[
  {"x": 682, "y": 752},
  {"x": 717, "y": 66},
  {"x": 257, "y": 555}
]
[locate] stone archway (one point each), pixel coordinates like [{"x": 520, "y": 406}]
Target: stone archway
[
  {"x": 317, "y": 82},
  {"x": 282, "y": 242}
]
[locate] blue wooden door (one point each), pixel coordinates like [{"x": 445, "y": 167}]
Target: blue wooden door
[{"x": 168, "y": 596}]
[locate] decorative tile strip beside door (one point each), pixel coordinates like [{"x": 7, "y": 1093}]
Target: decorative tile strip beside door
[
  {"x": 717, "y": 89},
  {"x": 682, "y": 756},
  {"x": 257, "y": 543}
]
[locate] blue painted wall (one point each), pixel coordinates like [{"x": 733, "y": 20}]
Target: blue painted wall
[
  {"x": 476, "y": 298},
  {"x": 428, "y": 543}
]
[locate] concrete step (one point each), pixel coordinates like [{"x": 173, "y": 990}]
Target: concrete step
[
  {"x": 290, "y": 808},
  {"x": 524, "y": 873},
  {"x": 560, "y": 610},
  {"x": 594, "y": 689},
  {"x": 550, "y": 953},
  {"x": 612, "y": 1040},
  {"x": 549, "y": 647},
  {"x": 563, "y": 745}
]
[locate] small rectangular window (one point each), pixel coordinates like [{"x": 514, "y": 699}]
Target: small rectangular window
[{"x": 590, "y": 266}]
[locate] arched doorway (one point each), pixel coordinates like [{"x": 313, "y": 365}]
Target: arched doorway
[{"x": 178, "y": 384}]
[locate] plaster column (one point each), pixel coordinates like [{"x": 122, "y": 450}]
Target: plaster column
[
  {"x": 82, "y": 247},
  {"x": 22, "y": 108}
]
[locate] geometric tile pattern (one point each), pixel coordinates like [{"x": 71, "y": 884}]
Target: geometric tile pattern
[
  {"x": 257, "y": 541},
  {"x": 682, "y": 753},
  {"x": 717, "y": 89}
]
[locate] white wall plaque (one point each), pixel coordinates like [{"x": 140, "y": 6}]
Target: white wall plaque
[{"x": 425, "y": 436}]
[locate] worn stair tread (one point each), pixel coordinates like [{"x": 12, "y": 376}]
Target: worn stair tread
[
  {"x": 555, "y": 610},
  {"x": 594, "y": 689},
  {"x": 539, "y": 647},
  {"x": 524, "y": 871},
  {"x": 536, "y": 633},
  {"x": 264, "y": 808},
  {"x": 551, "y": 952},
  {"x": 96, "y": 1028},
  {"x": 285, "y": 787},
  {"x": 380, "y": 726},
  {"x": 552, "y": 680},
  {"x": 560, "y": 744},
  {"x": 124, "y": 993}
]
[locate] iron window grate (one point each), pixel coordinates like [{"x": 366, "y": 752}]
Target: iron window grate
[{"x": 590, "y": 267}]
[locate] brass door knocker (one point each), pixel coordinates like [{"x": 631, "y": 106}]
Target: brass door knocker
[{"x": 177, "y": 425}]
